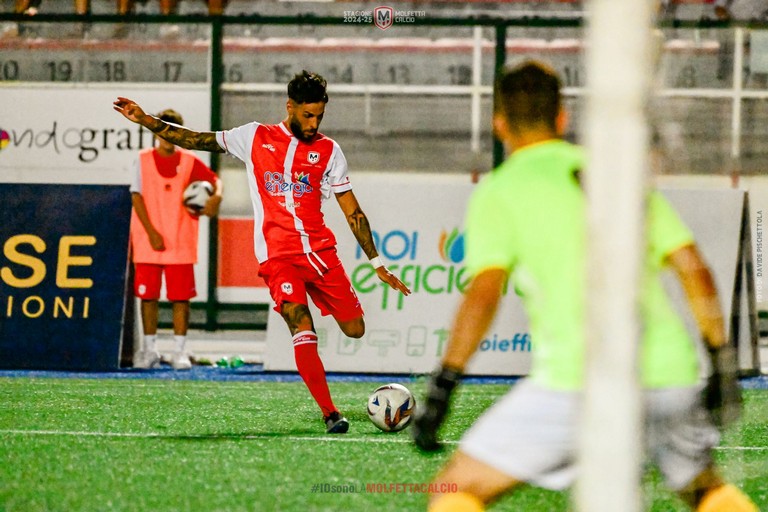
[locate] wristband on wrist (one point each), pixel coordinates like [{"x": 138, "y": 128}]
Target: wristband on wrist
[{"x": 376, "y": 262}]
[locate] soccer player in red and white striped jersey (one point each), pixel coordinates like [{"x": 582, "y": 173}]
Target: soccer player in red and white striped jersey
[{"x": 292, "y": 168}]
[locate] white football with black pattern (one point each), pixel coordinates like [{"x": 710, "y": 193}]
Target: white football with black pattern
[
  {"x": 196, "y": 195},
  {"x": 390, "y": 407}
]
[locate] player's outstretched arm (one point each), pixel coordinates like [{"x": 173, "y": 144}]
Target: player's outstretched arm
[
  {"x": 699, "y": 286},
  {"x": 175, "y": 134},
  {"x": 360, "y": 227},
  {"x": 722, "y": 393},
  {"x": 473, "y": 318}
]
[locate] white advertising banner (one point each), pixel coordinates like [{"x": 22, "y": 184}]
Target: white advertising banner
[
  {"x": 715, "y": 217},
  {"x": 417, "y": 222},
  {"x": 758, "y": 202},
  {"x": 69, "y": 134}
]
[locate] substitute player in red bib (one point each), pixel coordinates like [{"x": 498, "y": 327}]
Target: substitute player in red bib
[
  {"x": 291, "y": 169},
  {"x": 164, "y": 240}
]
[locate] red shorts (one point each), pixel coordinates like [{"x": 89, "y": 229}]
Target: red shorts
[
  {"x": 179, "y": 281},
  {"x": 319, "y": 275}
]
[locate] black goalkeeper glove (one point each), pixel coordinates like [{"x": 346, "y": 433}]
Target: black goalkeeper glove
[
  {"x": 722, "y": 394},
  {"x": 430, "y": 416}
]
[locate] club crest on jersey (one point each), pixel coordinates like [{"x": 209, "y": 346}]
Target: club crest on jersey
[
  {"x": 313, "y": 157},
  {"x": 287, "y": 288}
]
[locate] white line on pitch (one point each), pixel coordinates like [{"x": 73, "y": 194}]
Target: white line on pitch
[
  {"x": 158, "y": 435},
  {"x": 741, "y": 448}
]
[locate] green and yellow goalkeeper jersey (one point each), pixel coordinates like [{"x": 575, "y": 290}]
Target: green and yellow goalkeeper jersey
[{"x": 528, "y": 218}]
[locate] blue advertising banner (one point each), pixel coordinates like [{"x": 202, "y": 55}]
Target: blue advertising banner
[{"x": 63, "y": 268}]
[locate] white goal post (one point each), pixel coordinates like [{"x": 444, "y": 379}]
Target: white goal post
[{"x": 619, "y": 70}]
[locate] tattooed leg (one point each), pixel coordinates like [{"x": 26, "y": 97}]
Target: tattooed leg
[{"x": 298, "y": 317}]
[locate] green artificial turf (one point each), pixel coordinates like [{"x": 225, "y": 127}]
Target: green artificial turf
[{"x": 155, "y": 445}]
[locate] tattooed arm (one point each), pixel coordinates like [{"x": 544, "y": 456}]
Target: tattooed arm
[
  {"x": 360, "y": 227},
  {"x": 177, "y": 135},
  {"x": 358, "y": 222}
]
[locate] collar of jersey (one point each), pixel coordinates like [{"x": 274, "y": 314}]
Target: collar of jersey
[
  {"x": 536, "y": 145},
  {"x": 530, "y": 151},
  {"x": 285, "y": 129}
]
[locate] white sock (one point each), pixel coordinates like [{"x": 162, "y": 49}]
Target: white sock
[
  {"x": 181, "y": 342},
  {"x": 150, "y": 342}
]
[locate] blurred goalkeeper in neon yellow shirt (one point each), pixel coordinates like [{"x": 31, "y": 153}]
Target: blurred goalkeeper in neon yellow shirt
[{"x": 526, "y": 221}]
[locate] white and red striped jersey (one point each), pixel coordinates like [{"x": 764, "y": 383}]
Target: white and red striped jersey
[{"x": 288, "y": 180}]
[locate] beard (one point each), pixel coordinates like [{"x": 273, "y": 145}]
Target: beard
[{"x": 298, "y": 132}]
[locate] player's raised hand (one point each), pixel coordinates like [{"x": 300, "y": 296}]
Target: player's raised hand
[
  {"x": 392, "y": 280},
  {"x": 130, "y": 109},
  {"x": 430, "y": 416}
]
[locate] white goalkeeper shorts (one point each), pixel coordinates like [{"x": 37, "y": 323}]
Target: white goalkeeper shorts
[{"x": 531, "y": 435}]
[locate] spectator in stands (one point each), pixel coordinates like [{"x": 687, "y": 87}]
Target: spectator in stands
[
  {"x": 746, "y": 10},
  {"x": 666, "y": 9},
  {"x": 28, "y": 7},
  {"x": 215, "y": 7},
  {"x": 167, "y": 7},
  {"x": 164, "y": 239},
  {"x": 742, "y": 10},
  {"x": 31, "y": 7},
  {"x": 128, "y": 6}
]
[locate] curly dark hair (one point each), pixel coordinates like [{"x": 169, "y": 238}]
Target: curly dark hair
[{"x": 307, "y": 87}]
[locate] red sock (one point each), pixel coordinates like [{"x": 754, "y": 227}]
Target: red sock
[{"x": 311, "y": 369}]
